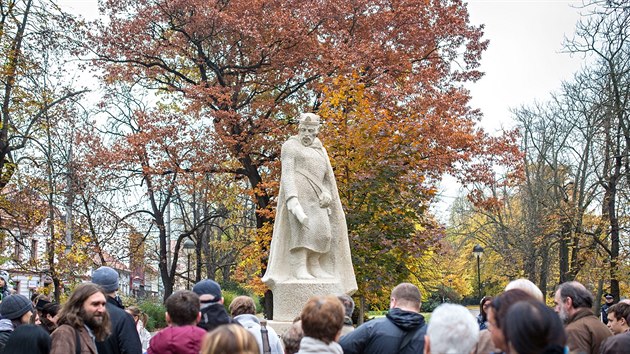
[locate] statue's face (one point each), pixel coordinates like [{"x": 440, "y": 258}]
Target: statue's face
[{"x": 307, "y": 134}]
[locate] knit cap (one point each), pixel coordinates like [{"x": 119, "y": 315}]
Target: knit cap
[
  {"x": 15, "y": 306},
  {"x": 107, "y": 278}
]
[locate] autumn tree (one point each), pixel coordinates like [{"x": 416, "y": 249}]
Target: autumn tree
[
  {"x": 30, "y": 41},
  {"x": 143, "y": 154},
  {"x": 388, "y": 162},
  {"x": 252, "y": 66},
  {"x": 604, "y": 33}
]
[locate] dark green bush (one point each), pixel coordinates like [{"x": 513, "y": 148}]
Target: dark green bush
[{"x": 155, "y": 311}]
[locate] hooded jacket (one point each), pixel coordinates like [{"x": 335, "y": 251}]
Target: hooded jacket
[
  {"x": 177, "y": 340},
  {"x": 386, "y": 335},
  {"x": 213, "y": 315}
]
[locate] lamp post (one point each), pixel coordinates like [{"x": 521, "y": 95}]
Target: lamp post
[
  {"x": 189, "y": 247},
  {"x": 478, "y": 251}
]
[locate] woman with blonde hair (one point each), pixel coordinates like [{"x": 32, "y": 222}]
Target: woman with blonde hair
[{"x": 229, "y": 339}]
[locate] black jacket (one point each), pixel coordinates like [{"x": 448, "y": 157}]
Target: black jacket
[
  {"x": 124, "y": 338},
  {"x": 213, "y": 315},
  {"x": 385, "y": 335}
]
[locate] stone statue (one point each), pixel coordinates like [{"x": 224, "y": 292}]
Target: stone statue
[{"x": 310, "y": 236}]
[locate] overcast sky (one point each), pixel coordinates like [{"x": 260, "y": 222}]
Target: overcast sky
[{"x": 524, "y": 62}]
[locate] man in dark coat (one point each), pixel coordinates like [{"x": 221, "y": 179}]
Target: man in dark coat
[
  {"x": 610, "y": 300},
  {"x": 213, "y": 312},
  {"x": 401, "y": 331},
  {"x": 124, "y": 338}
]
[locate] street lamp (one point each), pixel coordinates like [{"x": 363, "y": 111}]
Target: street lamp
[
  {"x": 478, "y": 251},
  {"x": 189, "y": 248}
]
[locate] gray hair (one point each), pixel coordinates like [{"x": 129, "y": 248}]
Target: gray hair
[
  {"x": 452, "y": 330},
  {"x": 578, "y": 293},
  {"x": 527, "y": 286},
  {"x": 348, "y": 304}
]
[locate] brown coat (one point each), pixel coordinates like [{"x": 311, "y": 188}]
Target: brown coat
[
  {"x": 64, "y": 341},
  {"x": 585, "y": 332}
]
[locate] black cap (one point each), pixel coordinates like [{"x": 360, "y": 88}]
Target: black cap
[{"x": 208, "y": 287}]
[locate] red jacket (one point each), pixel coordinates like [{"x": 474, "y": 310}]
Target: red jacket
[{"x": 177, "y": 340}]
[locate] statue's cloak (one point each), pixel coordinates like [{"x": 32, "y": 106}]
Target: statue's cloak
[{"x": 337, "y": 261}]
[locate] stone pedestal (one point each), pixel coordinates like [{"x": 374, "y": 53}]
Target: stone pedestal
[
  {"x": 289, "y": 297},
  {"x": 279, "y": 326}
]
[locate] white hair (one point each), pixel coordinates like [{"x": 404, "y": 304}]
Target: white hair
[
  {"x": 452, "y": 330},
  {"x": 527, "y": 286}
]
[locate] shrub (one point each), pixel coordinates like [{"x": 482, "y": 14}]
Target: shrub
[{"x": 155, "y": 312}]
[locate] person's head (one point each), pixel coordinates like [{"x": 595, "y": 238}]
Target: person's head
[
  {"x": 570, "y": 297},
  {"x": 41, "y": 301},
  {"x": 51, "y": 310},
  {"x": 17, "y": 308},
  {"x": 292, "y": 338},
  {"x": 229, "y": 339},
  {"x": 29, "y": 339},
  {"x": 527, "y": 286},
  {"x": 452, "y": 329},
  {"x": 4, "y": 279},
  {"x": 308, "y": 128},
  {"x": 533, "y": 328},
  {"x": 498, "y": 310},
  {"x": 86, "y": 306},
  {"x": 484, "y": 304},
  {"x": 242, "y": 305},
  {"x": 137, "y": 314},
  {"x": 107, "y": 278},
  {"x": 609, "y": 298},
  {"x": 322, "y": 318},
  {"x": 348, "y": 304},
  {"x": 618, "y": 317},
  {"x": 50, "y": 314},
  {"x": 209, "y": 291},
  {"x": 406, "y": 296},
  {"x": 182, "y": 308}
]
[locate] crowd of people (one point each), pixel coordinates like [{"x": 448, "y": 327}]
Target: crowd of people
[{"x": 517, "y": 321}]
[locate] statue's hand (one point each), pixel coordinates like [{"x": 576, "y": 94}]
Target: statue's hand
[
  {"x": 295, "y": 207},
  {"x": 324, "y": 200}
]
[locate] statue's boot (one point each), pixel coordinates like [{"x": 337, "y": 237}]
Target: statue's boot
[
  {"x": 301, "y": 272},
  {"x": 316, "y": 269},
  {"x": 298, "y": 263}
]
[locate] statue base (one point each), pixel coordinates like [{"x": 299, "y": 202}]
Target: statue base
[{"x": 289, "y": 297}]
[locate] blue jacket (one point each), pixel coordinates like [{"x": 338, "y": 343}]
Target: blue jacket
[{"x": 385, "y": 335}]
